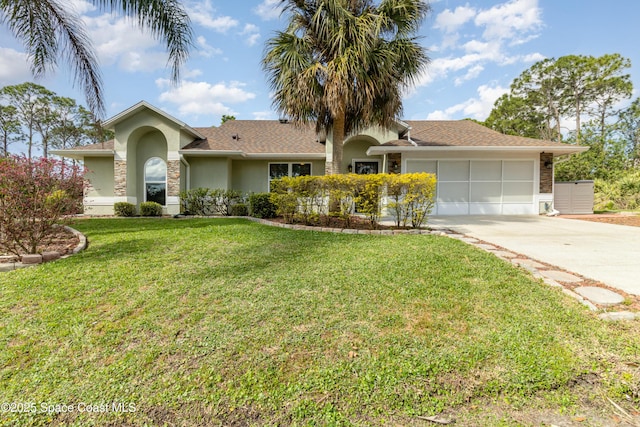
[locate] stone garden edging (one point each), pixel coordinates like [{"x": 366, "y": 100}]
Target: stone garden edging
[{"x": 37, "y": 259}]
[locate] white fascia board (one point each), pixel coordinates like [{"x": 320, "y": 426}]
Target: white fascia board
[
  {"x": 285, "y": 156},
  {"x": 110, "y": 123},
  {"x": 211, "y": 153},
  {"x": 557, "y": 151},
  {"x": 81, "y": 154}
]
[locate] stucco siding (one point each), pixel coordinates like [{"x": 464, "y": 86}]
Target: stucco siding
[
  {"x": 252, "y": 176},
  {"x": 100, "y": 176},
  {"x": 209, "y": 172}
]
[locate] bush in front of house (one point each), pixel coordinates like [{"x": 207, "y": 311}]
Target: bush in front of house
[
  {"x": 124, "y": 209},
  {"x": 35, "y": 194},
  {"x": 225, "y": 199},
  {"x": 197, "y": 201},
  {"x": 260, "y": 206},
  {"x": 411, "y": 197},
  {"x": 239, "y": 209},
  {"x": 150, "y": 209},
  {"x": 307, "y": 198},
  {"x": 208, "y": 201}
]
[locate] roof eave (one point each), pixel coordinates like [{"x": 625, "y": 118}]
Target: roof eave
[
  {"x": 81, "y": 154},
  {"x": 556, "y": 150},
  {"x": 287, "y": 156},
  {"x": 197, "y": 152}
]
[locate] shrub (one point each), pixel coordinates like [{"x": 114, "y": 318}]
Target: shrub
[
  {"x": 225, "y": 199},
  {"x": 124, "y": 209},
  {"x": 411, "y": 197},
  {"x": 306, "y": 198},
  {"x": 34, "y": 195},
  {"x": 239, "y": 209},
  {"x": 260, "y": 206},
  {"x": 197, "y": 201},
  {"x": 150, "y": 209},
  {"x": 284, "y": 199}
]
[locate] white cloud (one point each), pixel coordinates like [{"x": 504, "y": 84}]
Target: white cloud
[
  {"x": 503, "y": 26},
  {"x": 252, "y": 32},
  {"x": 81, "y": 6},
  {"x": 14, "y": 68},
  {"x": 117, "y": 41},
  {"x": 268, "y": 9},
  {"x": 203, "y": 13},
  {"x": 206, "y": 50},
  {"x": 449, "y": 21},
  {"x": 203, "y": 98},
  {"x": 476, "y": 108},
  {"x": 472, "y": 73},
  {"x": 510, "y": 20}
]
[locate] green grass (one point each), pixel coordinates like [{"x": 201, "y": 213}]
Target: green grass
[{"x": 223, "y": 321}]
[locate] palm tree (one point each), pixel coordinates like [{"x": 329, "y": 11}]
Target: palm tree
[
  {"x": 51, "y": 28},
  {"x": 344, "y": 64}
]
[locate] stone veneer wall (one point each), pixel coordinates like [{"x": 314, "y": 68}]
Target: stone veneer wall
[
  {"x": 120, "y": 178},
  {"x": 173, "y": 177},
  {"x": 546, "y": 175}
]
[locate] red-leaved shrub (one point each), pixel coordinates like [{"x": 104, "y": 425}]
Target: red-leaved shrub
[{"x": 35, "y": 195}]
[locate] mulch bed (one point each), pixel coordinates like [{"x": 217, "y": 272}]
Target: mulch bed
[
  {"x": 62, "y": 241},
  {"x": 623, "y": 218}
]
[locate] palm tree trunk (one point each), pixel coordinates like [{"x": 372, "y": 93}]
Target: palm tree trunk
[{"x": 338, "y": 143}]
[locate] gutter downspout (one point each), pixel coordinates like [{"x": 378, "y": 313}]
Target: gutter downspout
[
  {"x": 187, "y": 184},
  {"x": 409, "y": 138}
]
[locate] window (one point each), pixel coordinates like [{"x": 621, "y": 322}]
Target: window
[
  {"x": 278, "y": 170},
  {"x": 365, "y": 168},
  {"x": 155, "y": 180}
]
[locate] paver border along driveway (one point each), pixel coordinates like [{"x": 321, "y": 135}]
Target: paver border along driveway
[{"x": 604, "y": 252}]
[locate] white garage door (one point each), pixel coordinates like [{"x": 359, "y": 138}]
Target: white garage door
[{"x": 481, "y": 187}]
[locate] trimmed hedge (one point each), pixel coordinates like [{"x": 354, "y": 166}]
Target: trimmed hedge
[
  {"x": 310, "y": 198},
  {"x": 150, "y": 209},
  {"x": 124, "y": 209},
  {"x": 260, "y": 206},
  {"x": 206, "y": 201}
]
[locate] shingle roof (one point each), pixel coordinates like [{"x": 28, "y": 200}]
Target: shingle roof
[
  {"x": 463, "y": 133},
  {"x": 107, "y": 145},
  {"x": 258, "y": 137}
]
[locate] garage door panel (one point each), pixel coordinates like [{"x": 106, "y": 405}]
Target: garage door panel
[
  {"x": 454, "y": 170},
  {"x": 485, "y": 208},
  {"x": 453, "y": 208},
  {"x": 517, "y": 192},
  {"x": 428, "y": 166},
  {"x": 486, "y": 192},
  {"x": 518, "y": 170},
  {"x": 453, "y": 192},
  {"x": 484, "y": 170}
]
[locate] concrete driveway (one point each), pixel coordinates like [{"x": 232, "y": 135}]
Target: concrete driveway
[{"x": 604, "y": 252}]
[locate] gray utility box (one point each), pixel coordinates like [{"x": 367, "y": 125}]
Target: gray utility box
[{"x": 574, "y": 197}]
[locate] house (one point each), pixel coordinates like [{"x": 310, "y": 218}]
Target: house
[{"x": 154, "y": 156}]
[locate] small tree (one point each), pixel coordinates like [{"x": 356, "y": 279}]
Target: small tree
[{"x": 34, "y": 195}]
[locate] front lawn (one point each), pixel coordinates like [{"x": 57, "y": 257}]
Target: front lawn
[{"x": 225, "y": 321}]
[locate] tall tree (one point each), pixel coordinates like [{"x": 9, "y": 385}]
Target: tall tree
[
  {"x": 609, "y": 86},
  {"x": 540, "y": 89},
  {"x": 50, "y": 29},
  {"x": 630, "y": 130},
  {"x": 29, "y": 100},
  {"x": 511, "y": 116},
  {"x": 10, "y": 130},
  {"x": 344, "y": 64}
]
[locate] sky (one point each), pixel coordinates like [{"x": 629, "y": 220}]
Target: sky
[{"x": 476, "y": 48}]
